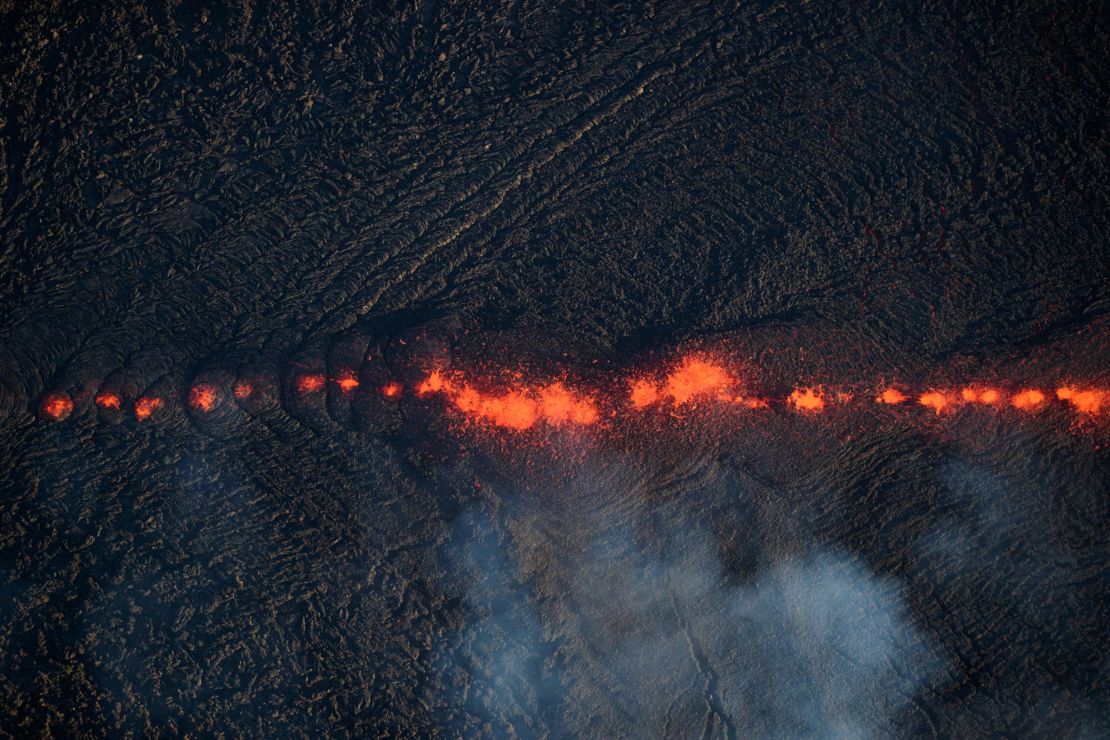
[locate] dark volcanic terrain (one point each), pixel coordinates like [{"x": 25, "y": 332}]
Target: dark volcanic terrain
[{"x": 252, "y": 198}]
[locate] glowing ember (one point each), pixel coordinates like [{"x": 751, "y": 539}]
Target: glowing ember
[
  {"x": 434, "y": 383},
  {"x": 310, "y": 383},
  {"x": 347, "y": 381},
  {"x": 1087, "y": 401},
  {"x": 696, "y": 377},
  {"x": 57, "y": 405},
  {"x": 512, "y": 409},
  {"x": 560, "y": 406},
  {"x": 391, "y": 390},
  {"x": 891, "y": 396},
  {"x": 1028, "y": 399},
  {"x": 936, "y": 400},
  {"x": 146, "y": 406},
  {"x": 643, "y": 394},
  {"x": 204, "y": 397},
  {"x": 984, "y": 395},
  {"x": 243, "y": 390},
  {"x": 807, "y": 399},
  {"x": 107, "y": 400}
]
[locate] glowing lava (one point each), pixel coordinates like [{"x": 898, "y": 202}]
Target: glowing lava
[
  {"x": 347, "y": 381},
  {"x": 310, "y": 383},
  {"x": 146, "y": 406},
  {"x": 204, "y": 397},
  {"x": 891, "y": 396},
  {"x": 1028, "y": 399},
  {"x": 807, "y": 399},
  {"x": 560, "y": 406},
  {"x": 696, "y": 377},
  {"x": 57, "y": 405},
  {"x": 1088, "y": 401},
  {"x": 391, "y": 390},
  {"x": 643, "y": 394},
  {"x": 520, "y": 407},
  {"x": 936, "y": 400},
  {"x": 243, "y": 390},
  {"x": 987, "y": 396},
  {"x": 107, "y": 400}
]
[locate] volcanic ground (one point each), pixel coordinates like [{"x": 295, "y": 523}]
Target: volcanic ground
[{"x": 539, "y": 369}]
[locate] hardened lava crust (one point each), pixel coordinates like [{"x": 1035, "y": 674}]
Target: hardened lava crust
[{"x": 538, "y": 369}]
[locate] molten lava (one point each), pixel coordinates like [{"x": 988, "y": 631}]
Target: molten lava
[
  {"x": 560, "y": 406},
  {"x": 204, "y": 397},
  {"x": 310, "y": 383},
  {"x": 519, "y": 407},
  {"x": 107, "y": 400},
  {"x": 347, "y": 381},
  {"x": 891, "y": 396},
  {"x": 1088, "y": 401},
  {"x": 936, "y": 400},
  {"x": 146, "y": 406},
  {"x": 695, "y": 377},
  {"x": 434, "y": 383},
  {"x": 391, "y": 390},
  {"x": 1028, "y": 399},
  {"x": 643, "y": 394},
  {"x": 57, "y": 405},
  {"x": 988, "y": 396},
  {"x": 807, "y": 399}
]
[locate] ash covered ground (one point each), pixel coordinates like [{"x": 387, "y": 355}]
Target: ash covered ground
[{"x": 834, "y": 193}]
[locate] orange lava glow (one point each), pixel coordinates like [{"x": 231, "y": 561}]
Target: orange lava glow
[
  {"x": 107, "y": 400},
  {"x": 807, "y": 399},
  {"x": 891, "y": 396},
  {"x": 1088, "y": 401},
  {"x": 980, "y": 395},
  {"x": 520, "y": 407},
  {"x": 347, "y": 381},
  {"x": 146, "y": 406},
  {"x": 560, "y": 406},
  {"x": 310, "y": 383},
  {"x": 1028, "y": 399},
  {"x": 643, "y": 394},
  {"x": 695, "y": 377},
  {"x": 434, "y": 383},
  {"x": 391, "y": 390},
  {"x": 936, "y": 400},
  {"x": 203, "y": 397},
  {"x": 243, "y": 390},
  {"x": 57, "y": 405}
]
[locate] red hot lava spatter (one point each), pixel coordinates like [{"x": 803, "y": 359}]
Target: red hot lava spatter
[{"x": 680, "y": 389}]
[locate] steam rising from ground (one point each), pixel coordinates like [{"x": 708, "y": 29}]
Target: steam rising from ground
[{"x": 813, "y": 644}]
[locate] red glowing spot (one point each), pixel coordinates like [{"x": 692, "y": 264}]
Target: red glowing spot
[
  {"x": 512, "y": 409},
  {"x": 935, "y": 400},
  {"x": 310, "y": 383},
  {"x": 347, "y": 381},
  {"x": 146, "y": 406},
  {"x": 891, "y": 396},
  {"x": 57, "y": 405},
  {"x": 696, "y": 377},
  {"x": 807, "y": 399},
  {"x": 204, "y": 397},
  {"x": 391, "y": 390},
  {"x": 434, "y": 383},
  {"x": 980, "y": 395},
  {"x": 643, "y": 394},
  {"x": 1028, "y": 399},
  {"x": 1088, "y": 401},
  {"x": 107, "y": 400},
  {"x": 560, "y": 406},
  {"x": 243, "y": 390}
]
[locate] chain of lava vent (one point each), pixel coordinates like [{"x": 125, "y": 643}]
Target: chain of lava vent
[{"x": 694, "y": 380}]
